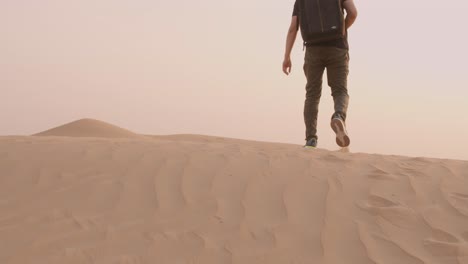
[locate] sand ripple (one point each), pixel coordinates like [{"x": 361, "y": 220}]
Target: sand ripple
[{"x": 197, "y": 199}]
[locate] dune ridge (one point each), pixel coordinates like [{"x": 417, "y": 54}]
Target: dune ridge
[{"x": 200, "y": 199}]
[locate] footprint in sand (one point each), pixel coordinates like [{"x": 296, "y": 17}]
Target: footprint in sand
[
  {"x": 460, "y": 196},
  {"x": 443, "y": 236},
  {"x": 445, "y": 250},
  {"x": 379, "y": 201},
  {"x": 393, "y": 212},
  {"x": 377, "y": 204},
  {"x": 460, "y": 202},
  {"x": 379, "y": 174}
]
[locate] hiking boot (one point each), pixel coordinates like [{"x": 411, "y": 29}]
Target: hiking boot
[
  {"x": 311, "y": 143},
  {"x": 338, "y": 125}
]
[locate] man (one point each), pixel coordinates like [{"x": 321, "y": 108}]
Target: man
[{"x": 332, "y": 55}]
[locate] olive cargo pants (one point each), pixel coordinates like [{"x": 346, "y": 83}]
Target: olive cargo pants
[{"x": 335, "y": 60}]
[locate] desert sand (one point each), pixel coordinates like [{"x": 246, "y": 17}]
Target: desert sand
[{"x": 91, "y": 192}]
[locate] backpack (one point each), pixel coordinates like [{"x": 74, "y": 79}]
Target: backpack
[{"x": 321, "y": 20}]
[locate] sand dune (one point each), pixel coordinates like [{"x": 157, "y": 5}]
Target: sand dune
[
  {"x": 200, "y": 199},
  {"x": 88, "y": 128}
]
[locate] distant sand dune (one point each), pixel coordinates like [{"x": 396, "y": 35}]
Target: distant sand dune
[
  {"x": 211, "y": 200},
  {"x": 88, "y": 128}
]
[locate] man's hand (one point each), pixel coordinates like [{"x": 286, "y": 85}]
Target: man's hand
[
  {"x": 292, "y": 33},
  {"x": 287, "y": 66}
]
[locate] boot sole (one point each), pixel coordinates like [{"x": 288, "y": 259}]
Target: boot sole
[
  {"x": 309, "y": 147},
  {"x": 342, "y": 138}
]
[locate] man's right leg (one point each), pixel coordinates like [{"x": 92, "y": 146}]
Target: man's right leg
[{"x": 314, "y": 67}]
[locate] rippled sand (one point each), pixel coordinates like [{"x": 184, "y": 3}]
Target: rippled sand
[{"x": 75, "y": 195}]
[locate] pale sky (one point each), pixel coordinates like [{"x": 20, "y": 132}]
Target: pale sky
[{"x": 214, "y": 68}]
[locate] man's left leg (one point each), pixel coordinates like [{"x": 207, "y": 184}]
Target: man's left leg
[{"x": 337, "y": 74}]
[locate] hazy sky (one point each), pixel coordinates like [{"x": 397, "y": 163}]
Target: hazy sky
[{"x": 214, "y": 68}]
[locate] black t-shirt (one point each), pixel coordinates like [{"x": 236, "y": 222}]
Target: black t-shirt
[{"x": 341, "y": 43}]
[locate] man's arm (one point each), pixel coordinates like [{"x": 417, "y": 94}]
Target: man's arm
[
  {"x": 351, "y": 13},
  {"x": 290, "y": 39}
]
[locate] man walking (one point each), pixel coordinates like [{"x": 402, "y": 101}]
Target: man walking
[{"x": 324, "y": 31}]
